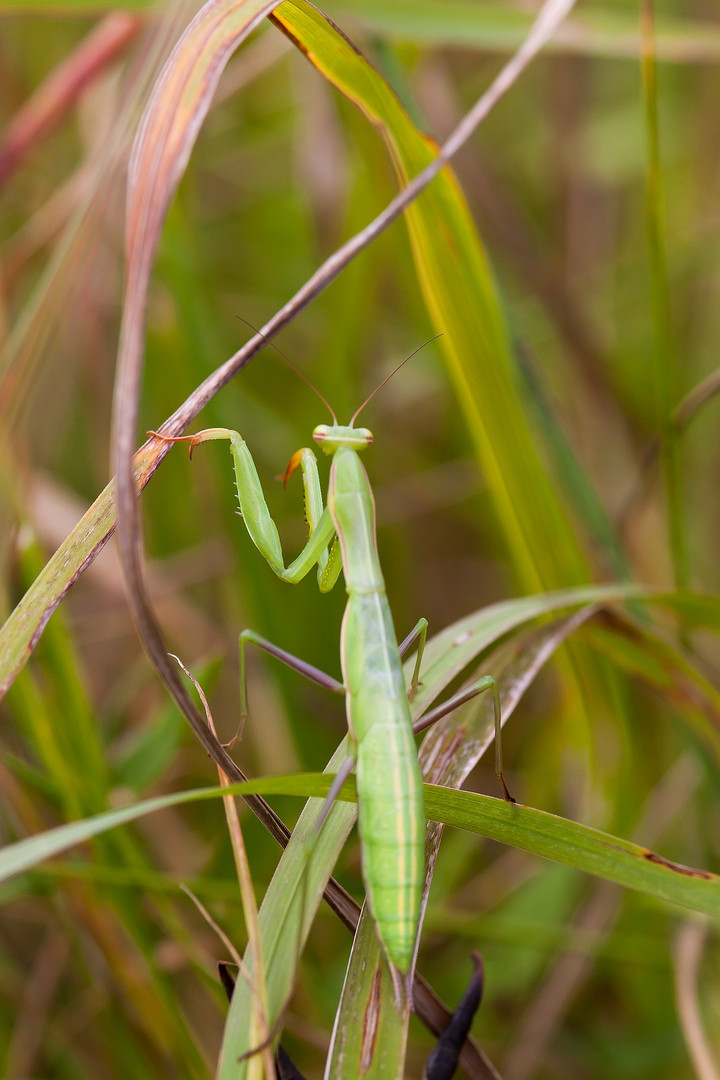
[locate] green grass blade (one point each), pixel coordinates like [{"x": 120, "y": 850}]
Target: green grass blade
[
  {"x": 467, "y": 24},
  {"x": 460, "y": 294},
  {"x": 576, "y": 845},
  {"x": 524, "y": 827},
  {"x": 666, "y": 360},
  {"x": 367, "y": 1003}
]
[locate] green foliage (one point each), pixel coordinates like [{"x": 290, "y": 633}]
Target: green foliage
[{"x": 565, "y": 447}]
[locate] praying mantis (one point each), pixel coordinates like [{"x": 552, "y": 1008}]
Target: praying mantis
[{"x": 391, "y": 815}]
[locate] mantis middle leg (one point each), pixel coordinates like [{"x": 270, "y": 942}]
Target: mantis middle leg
[
  {"x": 486, "y": 682},
  {"x": 479, "y": 686},
  {"x": 320, "y": 678}
]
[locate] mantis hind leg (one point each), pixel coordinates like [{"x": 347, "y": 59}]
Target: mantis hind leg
[
  {"x": 340, "y": 777},
  {"x": 320, "y": 678},
  {"x": 486, "y": 682}
]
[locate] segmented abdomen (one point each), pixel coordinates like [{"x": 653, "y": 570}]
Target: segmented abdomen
[{"x": 390, "y": 795}]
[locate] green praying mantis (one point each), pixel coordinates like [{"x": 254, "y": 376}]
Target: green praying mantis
[{"x": 342, "y": 537}]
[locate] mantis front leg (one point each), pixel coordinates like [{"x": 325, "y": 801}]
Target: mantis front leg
[{"x": 256, "y": 514}]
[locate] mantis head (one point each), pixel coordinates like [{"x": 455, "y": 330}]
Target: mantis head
[{"x": 330, "y": 437}]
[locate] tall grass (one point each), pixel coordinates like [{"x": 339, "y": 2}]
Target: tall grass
[{"x": 547, "y": 459}]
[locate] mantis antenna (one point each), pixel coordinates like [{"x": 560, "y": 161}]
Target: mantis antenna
[
  {"x": 294, "y": 367},
  {"x": 314, "y": 388},
  {"x": 387, "y": 378}
]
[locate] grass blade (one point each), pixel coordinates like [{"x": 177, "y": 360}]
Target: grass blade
[
  {"x": 524, "y": 827},
  {"x": 586, "y": 849},
  {"x": 666, "y": 360},
  {"x": 460, "y": 295}
]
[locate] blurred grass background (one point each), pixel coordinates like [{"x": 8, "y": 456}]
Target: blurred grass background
[{"x": 107, "y": 969}]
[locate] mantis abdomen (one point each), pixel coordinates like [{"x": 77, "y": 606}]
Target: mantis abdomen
[{"x": 391, "y": 812}]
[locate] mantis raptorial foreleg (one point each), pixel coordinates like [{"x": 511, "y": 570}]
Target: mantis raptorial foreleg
[{"x": 256, "y": 514}]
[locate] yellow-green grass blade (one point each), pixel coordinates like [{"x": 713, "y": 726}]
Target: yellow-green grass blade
[
  {"x": 543, "y": 544},
  {"x": 666, "y": 367},
  {"x": 467, "y": 24},
  {"x": 22, "y": 631},
  {"x": 552, "y": 837},
  {"x": 460, "y": 294}
]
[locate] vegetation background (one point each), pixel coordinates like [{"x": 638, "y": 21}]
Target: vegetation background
[{"x": 604, "y": 251}]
